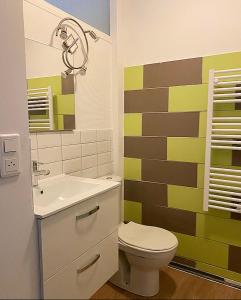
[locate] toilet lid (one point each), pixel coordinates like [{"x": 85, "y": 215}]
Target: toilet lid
[{"x": 147, "y": 237}]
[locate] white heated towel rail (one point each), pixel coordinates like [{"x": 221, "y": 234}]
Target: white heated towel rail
[
  {"x": 41, "y": 100},
  {"x": 222, "y": 186}
]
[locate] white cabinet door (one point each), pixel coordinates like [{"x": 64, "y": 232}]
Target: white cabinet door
[
  {"x": 68, "y": 234},
  {"x": 84, "y": 276}
]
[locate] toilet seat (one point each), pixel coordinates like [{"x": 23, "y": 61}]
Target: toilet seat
[{"x": 146, "y": 238}]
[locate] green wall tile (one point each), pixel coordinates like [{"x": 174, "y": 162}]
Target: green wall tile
[
  {"x": 64, "y": 104},
  {"x": 186, "y": 149},
  {"x": 133, "y": 78},
  {"x": 43, "y": 116},
  {"x": 218, "y": 213},
  {"x": 215, "y": 230},
  {"x": 185, "y": 198},
  {"x": 59, "y": 122},
  {"x": 219, "y": 229},
  {"x": 202, "y": 124},
  {"x": 218, "y": 271},
  {"x": 235, "y": 113},
  {"x": 188, "y": 98},
  {"x": 132, "y": 211},
  {"x": 132, "y": 168},
  {"x": 224, "y": 106},
  {"x": 191, "y": 199},
  {"x": 219, "y": 62},
  {"x": 202, "y": 250},
  {"x": 132, "y": 124},
  {"x": 221, "y": 158},
  {"x": 43, "y": 82}
]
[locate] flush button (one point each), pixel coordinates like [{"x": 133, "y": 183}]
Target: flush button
[{"x": 10, "y": 145}]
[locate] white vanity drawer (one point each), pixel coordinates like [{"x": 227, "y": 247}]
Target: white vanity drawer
[
  {"x": 68, "y": 234},
  {"x": 95, "y": 267}
]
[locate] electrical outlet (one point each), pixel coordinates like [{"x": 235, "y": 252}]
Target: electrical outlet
[
  {"x": 9, "y": 155},
  {"x": 11, "y": 165}
]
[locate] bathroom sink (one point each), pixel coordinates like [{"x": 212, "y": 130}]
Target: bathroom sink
[{"x": 60, "y": 192}]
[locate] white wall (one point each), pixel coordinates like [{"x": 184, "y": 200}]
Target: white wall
[
  {"x": 34, "y": 65},
  {"x": 93, "y": 91},
  {"x": 96, "y": 104},
  {"x": 18, "y": 244},
  {"x": 117, "y": 86},
  {"x": 163, "y": 30}
]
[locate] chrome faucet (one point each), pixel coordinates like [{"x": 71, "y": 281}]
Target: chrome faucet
[{"x": 37, "y": 172}]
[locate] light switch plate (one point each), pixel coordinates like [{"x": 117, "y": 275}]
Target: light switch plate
[
  {"x": 10, "y": 145},
  {"x": 9, "y": 155}
]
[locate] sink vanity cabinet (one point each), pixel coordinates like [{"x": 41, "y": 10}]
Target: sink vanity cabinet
[{"x": 79, "y": 246}]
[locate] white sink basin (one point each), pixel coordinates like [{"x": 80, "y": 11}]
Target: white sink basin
[{"x": 60, "y": 192}]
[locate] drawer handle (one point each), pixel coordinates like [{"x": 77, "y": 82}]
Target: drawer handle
[
  {"x": 89, "y": 213},
  {"x": 81, "y": 270}
]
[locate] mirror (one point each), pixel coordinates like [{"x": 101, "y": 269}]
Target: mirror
[{"x": 51, "y": 98}]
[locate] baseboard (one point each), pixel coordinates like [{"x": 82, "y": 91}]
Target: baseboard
[{"x": 225, "y": 281}]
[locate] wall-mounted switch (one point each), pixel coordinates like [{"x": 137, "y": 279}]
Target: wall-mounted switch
[
  {"x": 9, "y": 155},
  {"x": 10, "y": 145}
]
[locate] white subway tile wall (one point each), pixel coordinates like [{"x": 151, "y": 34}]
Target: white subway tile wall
[
  {"x": 88, "y": 136},
  {"x": 49, "y": 155},
  {"x": 104, "y": 135},
  {"x": 89, "y": 162},
  {"x": 70, "y": 138},
  {"x": 89, "y": 149},
  {"x": 72, "y": 165},
  {"x": 86, "y": 153},
  {"x": 47, "y": 140},
  {"x": 71, "y": 151}
]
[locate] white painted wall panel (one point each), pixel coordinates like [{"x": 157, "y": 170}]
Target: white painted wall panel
[{"x": 18, "y": 246}]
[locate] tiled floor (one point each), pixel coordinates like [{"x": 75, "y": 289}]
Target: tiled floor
[{"x": 175, "y": 284}]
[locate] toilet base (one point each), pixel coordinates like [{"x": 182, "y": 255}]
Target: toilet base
[{"x": 136, "y": 280}]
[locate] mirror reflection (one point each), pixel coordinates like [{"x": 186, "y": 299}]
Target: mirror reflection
[{"x": 51, "y": 98}]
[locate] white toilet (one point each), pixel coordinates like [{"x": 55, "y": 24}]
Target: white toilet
[{"x": 143, "y": 251}]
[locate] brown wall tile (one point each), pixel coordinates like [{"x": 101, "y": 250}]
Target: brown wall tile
[
  {"x": 184, "y": 261},
  {"x": 147, "y": 100},
  {"x": 236, "y": 158},
  {"x": 146, "y": 192},
  {"x": 169, "y": 218},
  {"x": 171, "y": 124},
  {"x": 170, "y": 172},
  {"x": 68, "y": 85},
  {"x": 69, "y": 122},
  {"x": 146, "y": 147},
  {"x": 172, "y": 73},
  {"x": 235, "y": 216},
  {"x": 234, "y": 259}
]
